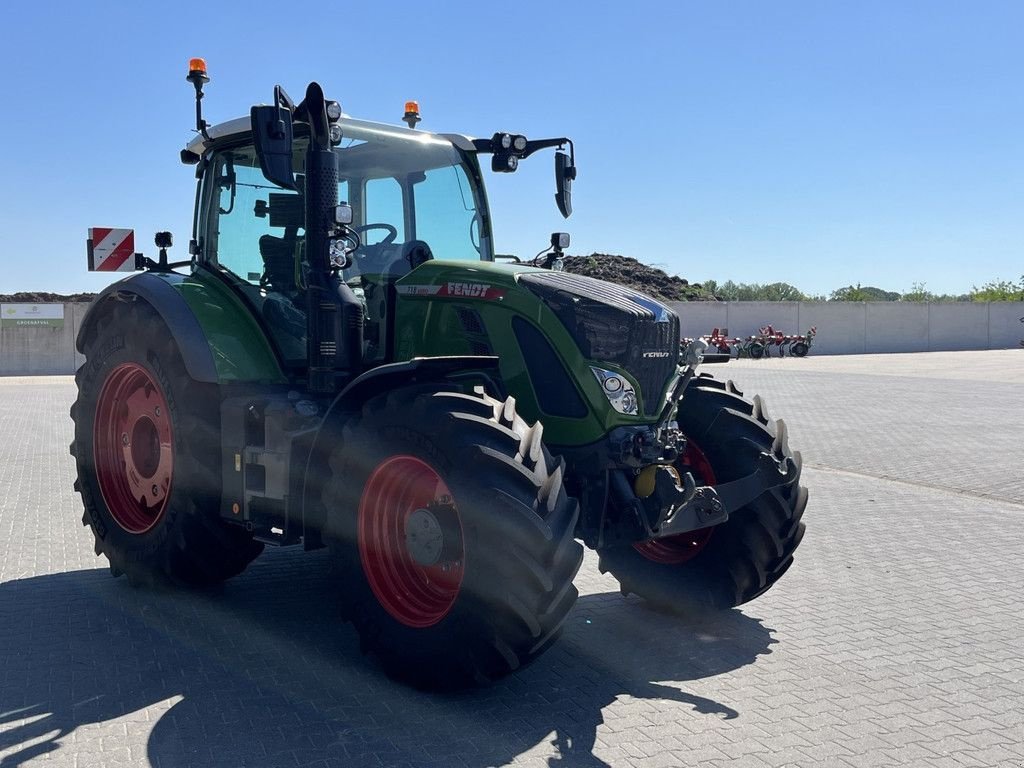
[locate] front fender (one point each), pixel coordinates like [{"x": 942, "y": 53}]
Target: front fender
[{"x": 419, "y": 370}]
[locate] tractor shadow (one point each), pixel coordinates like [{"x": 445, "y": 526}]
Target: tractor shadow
[{"x": 262, "y": 673}]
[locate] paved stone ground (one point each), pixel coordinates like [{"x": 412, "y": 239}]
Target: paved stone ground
[{"x": 896, "y": 639}]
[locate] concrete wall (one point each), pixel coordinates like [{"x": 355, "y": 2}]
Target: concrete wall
[
  {"x": 892, "y": 326},
  {"x": 39, "y": 349},
  {"x": 958, "y": 326},
  {"x": 846, "y": 328},
  {"x": 843, "y": 328},
  {"x": 1005, "y": 324}
]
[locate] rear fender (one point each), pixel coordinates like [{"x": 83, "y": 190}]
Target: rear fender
[
  {"x": 173, "y": 310},
  {"x": 218, "y": 334}
]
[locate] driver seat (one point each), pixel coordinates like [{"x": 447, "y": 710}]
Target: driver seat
[
  {"x": 413, "y": 254},
  {"x": 416, "y": 252},
  {"x": 278, "y": 262}
]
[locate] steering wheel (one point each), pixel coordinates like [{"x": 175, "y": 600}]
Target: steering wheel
[{"x": 388, "y": 240}]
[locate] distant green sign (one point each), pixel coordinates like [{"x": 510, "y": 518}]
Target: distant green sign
[{"x": 26, "y": 315}]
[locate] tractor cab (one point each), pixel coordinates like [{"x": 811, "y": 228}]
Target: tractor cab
[{"x": 413, "y": 197}]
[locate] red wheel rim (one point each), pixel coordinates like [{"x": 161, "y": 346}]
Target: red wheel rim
[
  {"x": 676, "y": 550},
  {"x": 133, "y": 443},
  {"x": 402, "y": 495}
]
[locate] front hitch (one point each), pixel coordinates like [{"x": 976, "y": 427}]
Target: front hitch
[
  {"x": 711, "y": 504},
  {"x": 678, "y": 505}
]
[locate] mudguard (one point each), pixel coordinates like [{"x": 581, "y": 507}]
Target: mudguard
[
  {"x": 360, "y": 389},
  {"x": 418, "y": 369},
  {"x": 217, "y": 336},
  {"x": 160, "y": 294}
]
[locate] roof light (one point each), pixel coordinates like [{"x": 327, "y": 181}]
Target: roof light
[
  {"x": 197, "y": 70},
  {"x": 412, "y": 113}
]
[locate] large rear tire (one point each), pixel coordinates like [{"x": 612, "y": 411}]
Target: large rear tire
[
  {"x": 452, "y": 536},
  {"x": 744, "y": 557},
  {"x": 147, "y": 447}
]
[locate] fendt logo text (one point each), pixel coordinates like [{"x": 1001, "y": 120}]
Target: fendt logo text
[{"x": 473, "y": 290}]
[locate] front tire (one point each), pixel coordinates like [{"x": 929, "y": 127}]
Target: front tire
[
  {"x": 452, "y": 536},
  {"x": 147, "y": 448},
  {"x": 745, "y": 556}
]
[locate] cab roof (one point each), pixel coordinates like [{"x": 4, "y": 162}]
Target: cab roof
[{"x": 241, "y": 125}]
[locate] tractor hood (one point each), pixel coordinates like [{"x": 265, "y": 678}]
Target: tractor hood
[{"x": 583, "y": 355}]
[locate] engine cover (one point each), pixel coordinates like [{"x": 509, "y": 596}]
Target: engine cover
[{"x": 615, "y": 325}]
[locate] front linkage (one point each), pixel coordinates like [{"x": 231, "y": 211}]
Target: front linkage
[{"x": 649, "y": 494}]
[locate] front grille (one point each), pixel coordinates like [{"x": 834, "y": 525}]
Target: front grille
[{"x": 615, "y": 325}]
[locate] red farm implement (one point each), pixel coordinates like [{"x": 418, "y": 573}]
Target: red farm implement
[{"x": 760, "y": 344}]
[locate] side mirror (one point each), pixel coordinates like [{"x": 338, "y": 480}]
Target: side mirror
[
  {"x": 272, "y": 135},
  {"x": 565, "y": 172}
]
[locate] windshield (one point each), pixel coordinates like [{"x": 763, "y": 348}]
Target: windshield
[{"x": 410, "y": 190}]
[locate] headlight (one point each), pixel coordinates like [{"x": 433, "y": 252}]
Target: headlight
[{"x": 618, "y": 390}]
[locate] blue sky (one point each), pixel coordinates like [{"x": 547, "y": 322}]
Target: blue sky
[{"x": 818, "y": 143}]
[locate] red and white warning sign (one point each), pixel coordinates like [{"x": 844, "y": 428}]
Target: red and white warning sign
[{"x": 111, "y": 250}]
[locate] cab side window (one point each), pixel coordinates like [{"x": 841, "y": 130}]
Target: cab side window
[
  {"x": 250, "y": 239},
  {"x": 254, "y": 231}
]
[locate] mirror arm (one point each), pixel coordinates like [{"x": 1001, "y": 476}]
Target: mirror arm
[
  {"x": 533, "y": 146},
  {"x": 282, "y": 99},
  {"x": 486, "y": 146},
  {"x": 282, "y": 102}
]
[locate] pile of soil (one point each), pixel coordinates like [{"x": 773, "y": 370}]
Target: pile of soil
[
  {"x": 628, "y": 272},
  {"x": 39, "y": 297}
]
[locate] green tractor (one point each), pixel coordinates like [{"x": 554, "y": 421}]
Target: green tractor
[{"x": 343, "y": 363}]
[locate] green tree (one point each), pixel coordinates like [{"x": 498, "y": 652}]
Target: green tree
[
  {"x": 918, "y": 293},
  {"x": 781, "y": 292},
  {"x": 863, "y": 293},
  {"x": 728, "y": 291},
  {"x": 732, "y": 291},
  {"x": 999, "y": 290}
]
